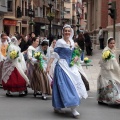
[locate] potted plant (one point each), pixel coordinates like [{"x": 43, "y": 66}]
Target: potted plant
[{"x": 31, "y": 23}]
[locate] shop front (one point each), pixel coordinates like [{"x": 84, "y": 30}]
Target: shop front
[{"x": 9, "y": 26}]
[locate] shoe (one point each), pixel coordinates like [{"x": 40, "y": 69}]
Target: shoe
[
  {"x": 9, "y": 94},
  {"x": 26, "y": 91},
  {"x": 75, "y": 113},
  {"x": 44, "y": 97},
  {"x": 1, "y": 86},
  {"x": 21, "y": 94},
  {"x": 58, "y": 110},
  {"x": 102, "y": 103},
  {"x": 39, "y": 93}
]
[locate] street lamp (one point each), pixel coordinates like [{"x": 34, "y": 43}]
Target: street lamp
[
  {"x": 31, "y": 15},
  {"x": 78, "y": 23},
  {"x": 50, "y": 17}
]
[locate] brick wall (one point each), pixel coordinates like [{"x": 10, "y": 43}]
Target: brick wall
[
  {"x": 104, "y": 13},
  {"x": 105, "y": 18},
  {"x": 118, "y": 12}
]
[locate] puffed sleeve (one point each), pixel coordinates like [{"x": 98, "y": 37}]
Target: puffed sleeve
[{"x": 29, "y": 53}]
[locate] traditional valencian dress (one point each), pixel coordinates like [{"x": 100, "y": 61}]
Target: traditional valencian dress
[
  {"x": 108, "y": 84},
  {"x": 83, "y": 75},
  {"x": 68, "y": 87},
  {"x": 38, "y": 78},
  {"x": 13, "y": 72},
  {"x": 3, "y": 49}
]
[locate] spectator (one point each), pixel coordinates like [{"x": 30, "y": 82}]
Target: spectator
[
  {"x": 88, "y": 44},
  {"x": 101, "y": 38},
  {"x": 81, "y": 43}
]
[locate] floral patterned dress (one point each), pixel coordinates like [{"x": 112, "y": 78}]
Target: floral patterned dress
[{"x": 108, "y": 83}]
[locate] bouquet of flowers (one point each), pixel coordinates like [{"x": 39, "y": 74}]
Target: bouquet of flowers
[
  {"x": 14, "y": 54},
  {"x": 76, "y": 52},
  {"x": 38, "y": 56},
  {"x": 86, "y": 61},
  {"x": 106, "y": 55}
]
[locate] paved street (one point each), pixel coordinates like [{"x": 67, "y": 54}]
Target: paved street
[{"x": 30, "y": 108}]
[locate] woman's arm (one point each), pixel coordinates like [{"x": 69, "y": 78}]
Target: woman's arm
[{"x": 49, "y": 64}]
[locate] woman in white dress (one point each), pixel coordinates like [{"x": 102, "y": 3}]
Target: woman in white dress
[
  {"x": 38, "y": 77},
  {"x": 14, "y": 78},
  {"x": 108, "y": 83},
  {"x": 52, "y": 46},
  {"x": 68, "y": 87},
  {"x": 3, "y": 49},
  {"x": 45, "y": 50}
]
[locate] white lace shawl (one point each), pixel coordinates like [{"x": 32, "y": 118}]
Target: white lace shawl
[
  {"x": 19, "y": 63},
  {"x": 2, "y": 58}
]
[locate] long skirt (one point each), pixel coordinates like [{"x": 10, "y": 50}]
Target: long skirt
[
  {"x": 15, "y": 83},
  {"x": 1, "y": 65},
  {"x": 38, "y": 79},
  {"x": 64, "y": 93},
  {"x": 108, "y": 91}
]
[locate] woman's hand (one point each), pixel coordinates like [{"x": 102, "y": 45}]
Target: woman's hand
[
  {"x": 48, "y": 69},
  {"x": 76, "y": 59},
  {"x": 44, "y": 58},
  {"x": 24, "y": 52}
]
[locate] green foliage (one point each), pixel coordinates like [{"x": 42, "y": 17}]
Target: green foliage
[{"x": 76, "y": 52}]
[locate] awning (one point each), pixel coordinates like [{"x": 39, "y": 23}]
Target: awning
[{"x": 9, "y": 22}]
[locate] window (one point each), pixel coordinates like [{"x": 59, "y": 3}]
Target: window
[
  {"x": 41, "y": 12},
  {"x": 67, "y": 10},
  {"x": 36, "y": 11},
  {"x": 2, "y": 3},
  {"x": 85, "y": 16},
  {"x": 10, "y": 4},
  {"x": 73, "y": 6},
  {"x": 44, "y": 11}
]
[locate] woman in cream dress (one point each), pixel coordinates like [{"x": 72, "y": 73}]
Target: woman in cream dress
[{"x": 108, "y": 84}]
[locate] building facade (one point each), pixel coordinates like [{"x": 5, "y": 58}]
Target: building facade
[
  {"x": 25, "y": 16},
  {"x": 43, "y": 8},
  {"x": 97, "y": 15},
  {"x": 3, "y": 10},
  {"x": 16, "y": 19}
]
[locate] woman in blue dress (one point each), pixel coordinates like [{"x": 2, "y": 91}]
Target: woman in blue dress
[{"x": 68, "y": 87}]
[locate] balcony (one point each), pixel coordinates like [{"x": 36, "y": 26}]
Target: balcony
[
  {"x": 3, "y": 6},
  {"x": 3, "y": 9},
  {"x": 41, "y": 20}
]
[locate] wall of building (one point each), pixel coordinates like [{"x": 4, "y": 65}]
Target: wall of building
[
  {"x": 1, "y": 25},
  {"x": 104, "y": 13}
]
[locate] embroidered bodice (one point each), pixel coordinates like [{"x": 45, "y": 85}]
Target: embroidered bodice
[{"x": 64, "y": 53}]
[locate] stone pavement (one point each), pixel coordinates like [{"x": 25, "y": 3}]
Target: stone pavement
[{"x": 92, "y": 72}]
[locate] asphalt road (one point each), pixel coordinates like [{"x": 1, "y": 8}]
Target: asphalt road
[{"x": 30, "y": 108}]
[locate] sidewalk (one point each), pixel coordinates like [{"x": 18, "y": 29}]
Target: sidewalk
[{"x": 92, "y": 72}]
